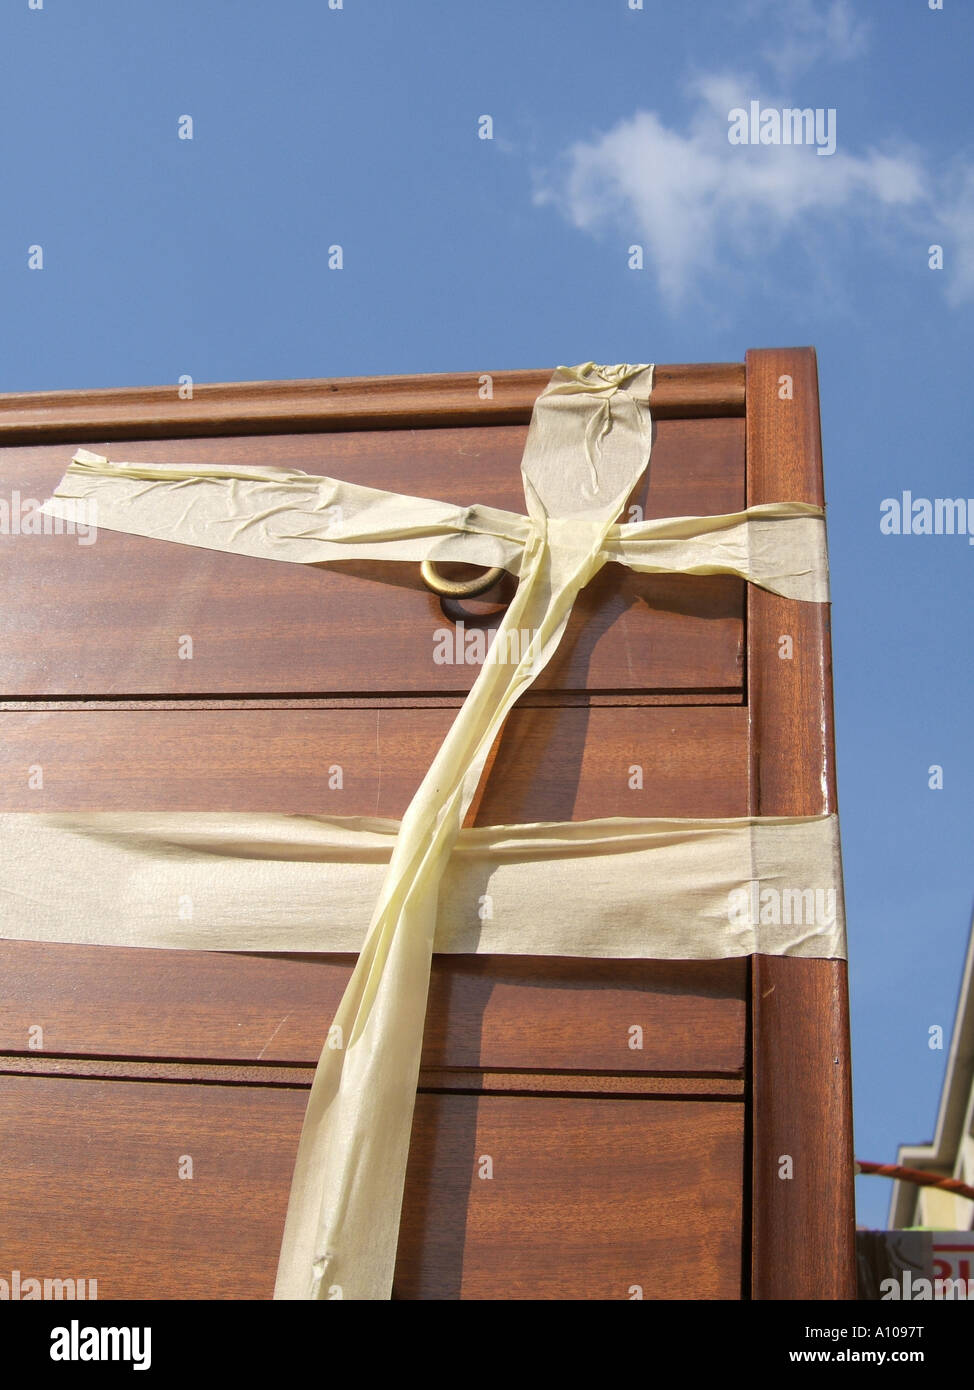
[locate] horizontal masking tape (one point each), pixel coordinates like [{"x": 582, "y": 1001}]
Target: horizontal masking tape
[{"x": 680, "y": 889}]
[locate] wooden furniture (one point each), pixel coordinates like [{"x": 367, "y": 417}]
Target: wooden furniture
[{"x": 616, "y": 1173}]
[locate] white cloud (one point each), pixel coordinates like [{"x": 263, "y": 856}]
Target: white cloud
[
  {"x": 803, "y": 33},
  {"x": 954, "y": 221},
  {"x": 693, "y": 200}
]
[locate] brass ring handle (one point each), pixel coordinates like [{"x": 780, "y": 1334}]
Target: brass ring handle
[{"x": 458, "y": 588}]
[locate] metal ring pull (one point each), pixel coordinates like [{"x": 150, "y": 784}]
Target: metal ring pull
[{"x": 458, "y": 588}]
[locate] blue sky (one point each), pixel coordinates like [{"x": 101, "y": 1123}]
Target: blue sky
[{"x": 358, "y": 126}]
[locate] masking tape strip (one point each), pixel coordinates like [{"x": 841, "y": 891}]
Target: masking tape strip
[
  {"x": 277, "y": 514},
  {"x": 686, "y": 889},
  {"x": 588, "y": 444},
  {"x": 777, "y": 545},
  {"x": 305, "y": 519}
]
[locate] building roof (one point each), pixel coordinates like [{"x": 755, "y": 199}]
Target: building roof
[{"x": 956, "y": 1115}]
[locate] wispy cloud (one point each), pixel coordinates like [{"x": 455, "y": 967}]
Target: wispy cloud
[
  {"x": 806, "y": 33},
  {"x": 695, "y": 202},
  {"x": 955, "y": 216}
]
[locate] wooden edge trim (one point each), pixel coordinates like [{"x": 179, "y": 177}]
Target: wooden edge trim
[
  {"x": 161, "y": 1070},
  {"x": 674, "y": 1087},
  {"x": 465, "y": 1080},
  {"x": 542, "y": 699},
  {"x": 802, "y": 1226},
  {"x": 339, "y": 403}
]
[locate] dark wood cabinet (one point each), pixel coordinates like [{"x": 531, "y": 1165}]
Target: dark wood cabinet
[{"x": 615, "y": 1173}]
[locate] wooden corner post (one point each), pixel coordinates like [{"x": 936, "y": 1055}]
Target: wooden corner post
[{"x": 802, "y": 1208}]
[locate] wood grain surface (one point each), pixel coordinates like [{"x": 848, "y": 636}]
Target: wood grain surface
[
  {"x": 572, "y": 1210},
  {"x": 803, "y": 1227},
  {"x": 562, "y": 763},
  {"x": 588, "y": 1199},
  {"x": 338, "y": 403},
  {"x": 111, "y": 617},
  {"x": 119, "y": 1002},
  {"x": 92, "y": 1187}
]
